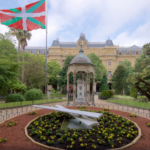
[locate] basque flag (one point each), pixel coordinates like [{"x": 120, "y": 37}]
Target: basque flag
[{"x": 30, "y": 17}]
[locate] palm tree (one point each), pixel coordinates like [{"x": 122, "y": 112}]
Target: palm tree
[{"x": 22, "y": 36}]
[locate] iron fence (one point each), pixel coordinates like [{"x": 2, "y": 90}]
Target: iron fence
[{"x": 11, "y": 112}]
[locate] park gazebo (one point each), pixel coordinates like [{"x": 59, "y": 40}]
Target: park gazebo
[{"x": 81, "y": 65}]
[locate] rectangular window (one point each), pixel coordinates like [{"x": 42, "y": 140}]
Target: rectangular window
[
  {"x": 109, "y": 62},
  {"x": 120, "y": 62},
  {"x": 109, "y": 74},
  {"x": 98, "y": 52}
]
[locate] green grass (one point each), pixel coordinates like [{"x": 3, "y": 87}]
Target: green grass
[
  {"x": 57, "y": 95},
  {"x": 15, "y": 104},
  {"x": 131, "y": 103},
  {"x": 128, "y": 97}
]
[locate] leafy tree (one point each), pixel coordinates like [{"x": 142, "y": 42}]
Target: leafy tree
[
  {"x": 8, "y": 65},
  {"x": 128, "y": 69},
  {"x": 7, "y": 36},
  {"x": 34, "y": 71},
  {"x": 63, "y": 73},
  {"x": 100, "y": 69},
  {"x": 104, "y": 85},
  {"x": 18, "y": 87},
  {"x": 117, "y": 79},
  {"x": 140, "y": 78},
  {"x": 53, "y": 69}
]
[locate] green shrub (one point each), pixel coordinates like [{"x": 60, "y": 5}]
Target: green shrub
[
  {"x": 106, "y": 94},
  {"x": 133, "y": 92},
  {"x": 15, "y": 97},
  {"x": 34, "y": 94}
]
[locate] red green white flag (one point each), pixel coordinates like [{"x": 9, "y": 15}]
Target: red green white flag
[{"x": 30, "y": 17}]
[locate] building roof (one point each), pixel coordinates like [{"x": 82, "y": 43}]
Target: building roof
[
  {"x": 81, "y": 58},
  {"x": 57, "y": 43},
  {"x": 132, "y": 49}
]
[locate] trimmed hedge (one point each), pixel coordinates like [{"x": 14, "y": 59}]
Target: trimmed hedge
[
  {"x": 15, "y": 97},
  {"x": 33, "y": 94}
]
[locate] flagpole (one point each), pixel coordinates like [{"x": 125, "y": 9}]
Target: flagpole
[{"x": 46, "y": 51}]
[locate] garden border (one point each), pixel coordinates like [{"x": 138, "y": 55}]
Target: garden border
[{"x": 53, "y": 148}]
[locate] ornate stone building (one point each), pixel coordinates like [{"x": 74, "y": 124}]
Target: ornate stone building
[{"x": 110, "y": 54}]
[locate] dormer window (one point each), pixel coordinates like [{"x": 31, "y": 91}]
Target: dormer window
[
  {"x": 128, "y": 52},
  {"x": 136, "y": 52},
  {"x": 120, "y": 52}
]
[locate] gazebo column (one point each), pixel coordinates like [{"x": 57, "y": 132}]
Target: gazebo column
[
  {"x": 67, "y": 89},
  {"x": 93, "y": 90},
  {"x": 88, "y": 88},
  {"x": 74, "y": 88}
]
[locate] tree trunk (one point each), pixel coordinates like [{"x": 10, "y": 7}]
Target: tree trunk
[
  {"x": 22, "y": 77},
  {"x": 18, "y": 50},
  {"x": 144, "y": 92}
]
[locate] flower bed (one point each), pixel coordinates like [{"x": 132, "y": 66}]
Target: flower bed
[{"x": 113, "y": 132}]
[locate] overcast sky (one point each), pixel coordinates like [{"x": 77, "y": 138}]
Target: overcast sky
[{"x": 126, "y": 22}]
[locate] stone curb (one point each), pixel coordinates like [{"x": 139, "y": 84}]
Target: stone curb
[
  {"x": 53, "y": 148},
  {"x": 122, "y": 111},
  {"x": 19, "y": 115}
]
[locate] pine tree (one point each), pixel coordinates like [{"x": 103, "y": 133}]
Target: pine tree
[
  {"x": 104, "y": 85},
  {"x": 117, "y": 79}
]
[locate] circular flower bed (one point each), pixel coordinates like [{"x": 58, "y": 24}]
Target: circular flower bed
[{"x": 114, "y": 132}]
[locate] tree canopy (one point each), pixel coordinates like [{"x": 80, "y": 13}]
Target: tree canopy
[
  {"x": 8, "y": 65},
  {"x": 140, "y": 78},
  {"x": 100, "y": 69},
  {"x": 53, "y": 69},
  {"x": 128, "y": 69},
  {"x": 63, "y": 73},
  {"x": 34, "y": 70}
]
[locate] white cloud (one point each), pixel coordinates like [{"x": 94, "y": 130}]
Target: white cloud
[{"x": 138, "y": 37}]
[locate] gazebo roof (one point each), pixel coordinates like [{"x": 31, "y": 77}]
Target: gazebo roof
[{"x": 81, "y": 58}]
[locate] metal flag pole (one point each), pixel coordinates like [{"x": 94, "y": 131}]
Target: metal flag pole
[{"x": 46, "y": 50}]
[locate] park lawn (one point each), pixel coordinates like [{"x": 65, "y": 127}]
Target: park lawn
[
  {"x": 131, "y": 103},
  {"x": 58, "y": 95},
  {"x": 128, "y": 97},
  {"x": 14, "y": 104}
]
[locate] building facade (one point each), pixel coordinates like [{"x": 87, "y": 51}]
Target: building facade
[{"x": 110, "y": 54}]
